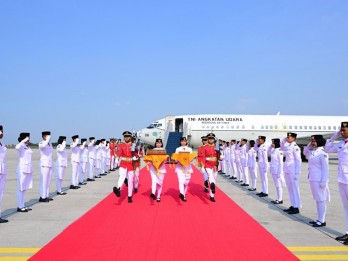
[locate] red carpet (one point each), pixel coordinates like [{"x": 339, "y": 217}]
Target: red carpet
[{"x": 170, "y": 230}]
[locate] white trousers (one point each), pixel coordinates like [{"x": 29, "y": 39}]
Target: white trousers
[
  {"x": 293, "y": 190},
  {"x": 91, "y": 168},
  {"x": 239, "y": 171},
  {"x": 156, "y": 183},
  {"x": 59, "y": 175},
  {"x": 45, "y": 180},
  {"x": 253, "y": 176},
  {"x": 184, "y": 180},
  {"x": 244, "y": 168},
  {"x": 83, "y": 170},
  {"x": 264, "y": 180},
  {"x": 21, "y": 198},
  {"x": 2, "y": 187},
  {"x": 75, "y": 173},
  {"x": 343, "y": 189},
  {"x": 112, "y": 162},
  {"x": 212, "y": 178},
  {"x": 136, "y": 178},
  {"x": 228, "y": 168},
  {"x": 102, "y": 169},
  {"x": 123, "y": 174},
  {"x": 279, "y": 183}
]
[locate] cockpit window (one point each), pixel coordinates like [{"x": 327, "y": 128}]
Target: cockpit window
[{"x": 154, "y": 125}]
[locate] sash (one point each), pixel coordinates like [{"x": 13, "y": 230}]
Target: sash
[{"x": 184, "y": 158}]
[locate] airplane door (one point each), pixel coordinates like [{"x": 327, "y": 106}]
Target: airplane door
[{"x": 179, "y": 125}]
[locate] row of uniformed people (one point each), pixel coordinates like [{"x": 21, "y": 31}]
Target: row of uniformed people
[{"x": 96, "y": 155}]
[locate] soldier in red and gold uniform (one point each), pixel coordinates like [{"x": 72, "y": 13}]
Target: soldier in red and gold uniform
[
  {"x": 139, "y": 153},
  {"x": 112, "y": 146},
  {"x": 127, "y": 166},
  {"x": 200, "y": 161},
  {"x": 210, "y": 158}
]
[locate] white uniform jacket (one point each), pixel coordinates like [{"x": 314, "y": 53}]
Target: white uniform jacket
[
  {"x": 262, "y": 156},
  {"x": 276, "y": 165},
  {"x": 25, "y": 154},
  {"x": 293, "y": 157},
  {"x": 180, "y": 167},
  {"x": 91, "y": 151},
  {"x": 252, "y": 157},
  {"x": 45, "y": 154},
  {"x": 75, "y": 152},
  {"x": 61, "y": 155},
  {"x": 318, "y": 164},
  {"x": 342, "y": 152}
]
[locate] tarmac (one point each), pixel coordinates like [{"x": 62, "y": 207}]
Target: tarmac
[{"x": 26, "y": 233}]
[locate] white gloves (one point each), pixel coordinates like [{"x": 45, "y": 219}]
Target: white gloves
[
  {"x": 296, "y": 176},
  {"x": 116, "y": 161},
  {"x": 26, "y": 139},
  {"x": 322, "y": 184},
  {"x": 84, "y": 144},
  {"x": 48, "y": 137},
  {"x": 336, "y": 135},
  {"x": 134, "y": 158},
  {"x": 64, "y": 143},
  {"x": 222, "y": 157},
  {"x": 0, "y": 132},
  {"x": 92, "y": 142},
  {"x": 77, "y": 140}
]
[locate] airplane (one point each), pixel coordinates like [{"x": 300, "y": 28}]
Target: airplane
[{"x": 231, "y": 126}]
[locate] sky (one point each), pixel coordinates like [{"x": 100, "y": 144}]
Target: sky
[{"x": 98, "y": 68}]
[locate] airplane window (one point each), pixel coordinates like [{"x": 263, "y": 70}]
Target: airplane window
[
  {"x": 151, "y": 126},
  {"x": 295, "y": 127},
  {"x": 284, "y": 127},
  {"x": 222, "y": 127},
  {"x": 290, "y": 127},
  {"x": 243, "y": 127},
  {"x": 271, "y": 127},
  {"x": 216, "y": 127},
  {"x": 159, "y": 125},
  {"x": 324, "y": 127},
  {"x": 237, "y": 127},
  {"x": 276, "y": 127},
  {"x": 300, "y": 127},
  {"x": 262, "y": 127},
  {"x": 305, "y": 127},
  {"x": 315, "y": 127},
  {"x": 252, "y": 126},
  {"x": 310, "y": 127},
  {"x": 329, "y": 128}
]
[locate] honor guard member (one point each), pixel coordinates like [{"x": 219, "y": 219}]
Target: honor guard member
[
  {"x": 46, "y": 165},
  {"x": 91, "y": 159},
  {"x": 223, "y": 152},
  {"x": 252, "y": 165},
  {"x": 139, "y": 153},
  {"x": 126, "y": 170},
  {"x": 342, "y": 152},
  {"x": 103, "y": 157},
  {"x": 183, "y": 173},
  {"x": 3, "y": 169},
  {"x": 61, "y": 164},
  {"x": 200, "y": 161},
  {"x": 112, "y": 154},
  {"x": 211, "y": 157},
  {"x": 233, "y": 159},
  {"x": 276, "y": 169},
  {"x": 318, "y": 176},
  {"x": 238, "y": 164},
  {"x": 108, "y": 158},
  {"x": 24, "y": 170},
  {"x": 157, "y": 175},
  {"x": 227, "y": 158},
  {"x": 292, "y": 170},
  {"x": 98, "y": 159},
  {"x": 83, "y": 161},
  {"x": 75, "y": 162},
  {"x": 244, "y": 162},
  {"x": 263, "y": 165}
]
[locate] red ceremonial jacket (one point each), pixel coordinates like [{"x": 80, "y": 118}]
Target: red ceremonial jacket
[
  {"x": 208, "y": 155},
  {"x": 125, "y": 154}
]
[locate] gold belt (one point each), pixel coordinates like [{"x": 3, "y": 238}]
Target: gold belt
[
  {"x": 211, "y": 158},
  {"x": 126, "y": 159}
]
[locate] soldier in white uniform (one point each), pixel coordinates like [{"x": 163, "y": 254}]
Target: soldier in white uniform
[
  {"x": 83, "y": 161},
  {"x": 292, "y": 170},
  {"x": 184, "y": 173},
  {"x": 318, "y": 176},
  {"x": 75, "y": 162},
  {"x": 91, "y": 159},
  {"x": 24, "y": 170},
  {"x": 252, "y": 165},
  {"x": 342, "y": 151},
  {"x": 61, "y": 164},
  {"x": 3, "y": 169},
  {"x": 233, "y": 159},
  {"x": 244, "y": 161},
  {"x": 261, "y": 149},
  {"x": 238, "y": 164},
  {"x": 276, "y": 169},
  {"x": 98, "y": 159},
  {"x": 102, "y": 157},
  {"x": 227, "y": 158},
  {"x": 46, "y": 165}
]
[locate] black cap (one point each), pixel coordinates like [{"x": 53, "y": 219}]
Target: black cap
[
  {"x": 103, "y": 140},
  {"x": 319, "y": 139},
  {"x": 75, "y": 137},
  {"x": 97, "y": 142},
  {"x": 318, "y": 136},
  {"x": 46, "y": 133},
  {"x": 183, "y": 139},
  {"x": 292, "y": 134},
  {"x": 61, "y": 139},
  {"x": 252, "y": 143},
  {"x": 245, "y": 140},
  {"x": 91, "y": 138},
  {"x": 23, "y": 135},
  {"x": 344, "y": 124},
  {"x": 262, "y": 138},
  {"x": 158, "y": 140},
  {"x": 127, "y": 133},
  {"x": 276, "y": 143},
  {"x": 83, "y": 140},
  {"x": 204, "y": 138},
  {"x": 1, "y": 129},
  {"x": 211, "y": 135},
  {"x": 233, "y": 140}
]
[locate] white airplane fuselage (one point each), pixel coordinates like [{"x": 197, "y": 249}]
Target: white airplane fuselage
[{"x": 230, "y": 126}]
